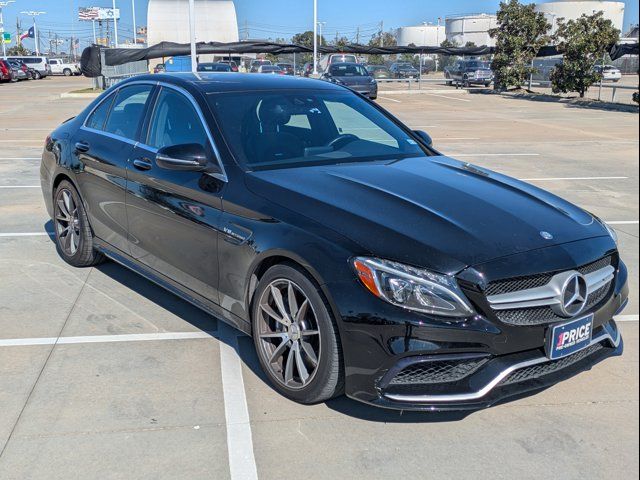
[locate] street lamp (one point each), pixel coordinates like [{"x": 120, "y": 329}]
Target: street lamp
[
  {"x": 33, "y": 14},
  {"x": 320, "y": 26},
  {"x": 115, "y": 24},
  {"x": 315, "y": 37},
  {"x": 4, "y": 48}
]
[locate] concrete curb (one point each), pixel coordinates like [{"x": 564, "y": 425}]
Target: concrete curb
[{"x": 80, "y": 95}]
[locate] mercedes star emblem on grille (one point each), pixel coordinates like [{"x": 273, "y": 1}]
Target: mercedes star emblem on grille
[{"x": 574, "y": 296}]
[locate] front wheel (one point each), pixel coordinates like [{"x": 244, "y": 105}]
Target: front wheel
[
  {"x": 296, "y": 337},
  {"x": 67, "y": 72},
  {"x": 74, "y": 238}
]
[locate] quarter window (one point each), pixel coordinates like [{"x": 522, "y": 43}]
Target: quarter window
[
  {"x": 175, "y": 122},
  {"x": 128, "y": 111},
  {"x": 99, "y": 116}
]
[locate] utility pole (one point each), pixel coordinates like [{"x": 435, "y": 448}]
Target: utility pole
[
  {"x": 382, "y": 33},
  {"x": 115, "y": 25},
  {"x": 358, "y": 36},
  {"x": 192, "y": 35},
  {"x": 133, "y": 12},
  {"x": 18, "y": 32}
]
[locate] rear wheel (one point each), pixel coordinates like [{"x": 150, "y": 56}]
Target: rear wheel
[
  {"x": 74, "y": 238},
  {"x": 67, "y": 72},
  {"x": 37, "y": 75},
  {"x": 296, "y": 337}
]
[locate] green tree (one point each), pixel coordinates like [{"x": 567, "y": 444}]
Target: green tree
[
  {"x": 342, "y": 42},
  {"x": 520, "y": 33},
  {"x": 583, "y": 43},
  {"x": 386, "y": 39},
  {"x": 470, "y": 45},
  {"x": 18, "y": 50},
  {"x": 306, "y": 39},
  {"x": 447, "y": 60}
]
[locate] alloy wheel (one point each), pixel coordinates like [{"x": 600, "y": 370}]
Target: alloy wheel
[
  {"x": 289, "y": 334},
  {"x": 67, "y": 221}
]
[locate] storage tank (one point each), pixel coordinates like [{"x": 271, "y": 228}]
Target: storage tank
[
  {"x": 168, "y": 21},
  {"x": 574, "y": 9},
  {"x": 462, "y": 29},
  {"x": 421, "y": 35}
]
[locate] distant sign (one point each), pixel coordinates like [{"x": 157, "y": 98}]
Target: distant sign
[
  {"x": 6, "y": 37},
  {"x": 98, "y": 13}
]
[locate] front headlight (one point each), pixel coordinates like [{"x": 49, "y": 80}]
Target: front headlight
[
  {"x": 612, "y": 232},
  {"x": 412, "y": 288}
]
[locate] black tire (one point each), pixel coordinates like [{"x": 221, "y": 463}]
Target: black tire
[
  {"x": 85, "y": 254},
  {"x": 37, "y": 75},
  {"x": 67, "y": 72},
  {"x": 328, "y": 377}
]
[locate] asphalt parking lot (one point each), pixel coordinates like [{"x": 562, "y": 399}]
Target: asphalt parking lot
[{"x": 104, "y": 375}]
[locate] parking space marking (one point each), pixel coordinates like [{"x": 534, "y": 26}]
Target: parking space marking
[
  {"x": 19, "y": 186},
  {"x": 449, "y": 98},
  {"x": 242, "y": 462},
  {"x": 626, "y": 318},
  {"x": 495, "y": 155},
  {"x": 553, "y": 179},
  {"x": 26, "y": 234},
  {"x": 623, "y": 222},
  {"x": 390, "y": 99},
  {"x": 20, "y": 158},
  {"x": 134, "y": 337}
]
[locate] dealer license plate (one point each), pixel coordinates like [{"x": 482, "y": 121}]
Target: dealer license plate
[{"x": 570, "y": 337}]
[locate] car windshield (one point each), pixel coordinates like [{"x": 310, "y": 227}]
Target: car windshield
[
  {"x": 214, "y": 67},
  {"x": 347, "y": 70},
  {"x": 477, "y": 64},
  {"x": 267, "y": 130}
]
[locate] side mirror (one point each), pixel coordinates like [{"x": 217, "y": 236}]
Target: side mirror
[
  {"x": 187, "y": 157},
  {"x": 425, "y": 137}
]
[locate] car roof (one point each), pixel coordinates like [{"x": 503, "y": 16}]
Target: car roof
[{"x": 212, "y": 82}]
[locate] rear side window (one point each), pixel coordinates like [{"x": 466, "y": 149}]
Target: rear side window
[
  {"x": 99, "y": 116},
  {"x": 128, "y": 111}
]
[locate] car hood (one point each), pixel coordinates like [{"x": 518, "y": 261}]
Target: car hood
[{"x": 432, "y": 212}]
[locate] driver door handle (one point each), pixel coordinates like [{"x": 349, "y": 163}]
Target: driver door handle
[
  {"x": 82, "y": 147},
  {"x": 142, "y": 164}
]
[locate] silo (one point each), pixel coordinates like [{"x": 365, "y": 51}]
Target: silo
[
  {"x": 168, "y": 21},
  {"x": 574, "y": 9},
  {"x": 462, "y": 29},
  {"x": 421, "y": 35}
]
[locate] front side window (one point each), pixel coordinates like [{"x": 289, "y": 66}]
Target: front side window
[
  {"x": 175, "y": 122},
  {"x": 128, "y": 111},
  {"x": 280, "y": 129}
]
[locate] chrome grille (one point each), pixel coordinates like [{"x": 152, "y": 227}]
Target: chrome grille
[{"x": 532, "y": 315}]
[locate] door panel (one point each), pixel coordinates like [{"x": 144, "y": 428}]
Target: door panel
[{"x": 174, "y": 216}]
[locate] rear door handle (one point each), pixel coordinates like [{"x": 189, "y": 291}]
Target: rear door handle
[
  {"x": 82, "y": 147},
  {"x": 142, "y": 164}
]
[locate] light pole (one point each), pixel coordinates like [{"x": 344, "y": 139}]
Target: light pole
[
  {"x": 4, "y": 48},
  {"x": 133, "y": 12},
  {"x": 315, "y": 37},
  {"x": 33, "y": 15},
  {"x": 115, "y": 24},
  {"x": 320, "y": 27},
  {"x": 192, "y": 35}
]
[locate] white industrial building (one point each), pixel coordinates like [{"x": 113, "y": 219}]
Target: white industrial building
[
  {"x": 421, "y": 35},
  {"x": 574, "y": 9},
  {"x": 168, "y": 21},
  {"x": 474, "y": 28}
]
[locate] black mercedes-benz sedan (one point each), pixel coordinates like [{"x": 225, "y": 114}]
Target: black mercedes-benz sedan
[{"x": 359, "y": 259}]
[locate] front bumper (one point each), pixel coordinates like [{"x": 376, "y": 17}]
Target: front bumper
[{"x": 484, "y": 353}]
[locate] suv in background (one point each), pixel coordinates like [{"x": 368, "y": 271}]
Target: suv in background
[
  {"x": 287, "y": 68},
  {"x": 7, "y": 72},
  {"x": 404, "y": 70},
  {"x": 61, "y": 67},
  {"x": 256, "y": 64},
  {"x": 39, "y": 64},
  {"x": 469, "y": 72}
]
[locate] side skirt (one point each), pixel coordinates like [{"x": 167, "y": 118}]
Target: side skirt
[{"x": 177, "y": 289}]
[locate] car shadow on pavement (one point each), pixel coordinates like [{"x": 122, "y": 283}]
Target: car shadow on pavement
[{"x": 246, "y": 351}]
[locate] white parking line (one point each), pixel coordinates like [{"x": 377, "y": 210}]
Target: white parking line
[
  {"x": 20, "y": 158},
  {"x": 242, "y": 462},
  {"x": 454, "y": 155},
  {"x": 445, "y": 96},
  {"x": 623, "y": 222},
  {"x": 19, "y": 186},
  {"x": 135, "y": 337},
  {"x": 390, "y": 99},
  {"x": 626, "y": 318},
  {"x": 25, "y": 234},
  {"x": 553, "y": 179}
]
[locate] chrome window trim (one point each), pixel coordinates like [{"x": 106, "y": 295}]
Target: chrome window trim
[
  {"x": 220, "y": 176},
  {"x": 611, "y": 333}
]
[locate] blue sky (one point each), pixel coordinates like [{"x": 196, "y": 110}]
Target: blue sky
[{"x": 269, "y": 18}]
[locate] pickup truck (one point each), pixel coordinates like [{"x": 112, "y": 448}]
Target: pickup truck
[
  {"x": 469, "y": 72},
  {"x": 60, "y": 67}
]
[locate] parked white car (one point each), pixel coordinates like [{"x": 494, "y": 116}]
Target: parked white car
[
  {"x": 60, "y": 67},
  {"x": 609, "y": 73}
]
